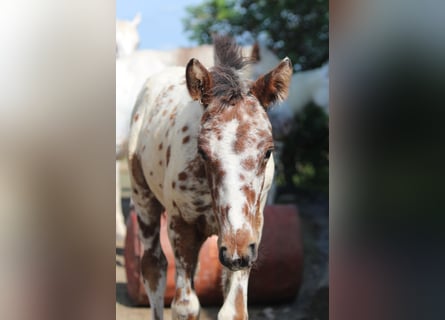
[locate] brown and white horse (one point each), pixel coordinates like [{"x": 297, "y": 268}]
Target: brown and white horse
[
  {"x": 201, "y": 148},
  {"x": 133, "y": 70}
]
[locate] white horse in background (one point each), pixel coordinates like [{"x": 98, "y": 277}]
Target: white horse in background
[
  {"x": 133, "y": 70},
  {"x": 127, "y": 42},
  {"x": 127, "y": 36},
  {"x": 310, "y": 86}
]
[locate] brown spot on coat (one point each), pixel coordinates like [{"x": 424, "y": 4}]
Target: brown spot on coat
[
  {"x": 173, "y": 184},
  {"x": 187, "y": 243},
  {"x": 147, "y": 230},
  {"x": 160, "y": 146},
  {"x": 224, "y": 211},
  {"x": 246, "y": 210},
  {"x": 249, "y": 193},
  {"x": 182, "y": 176},
  {"x": 242, "y": 140},
  {"x": 136, "y": 117},
  {"x": 197, "y": 202},
  {"x": 151, "y": 266},
  {"x": 196, "y": 167},
  {"x": 137, "y": 172},
  {"x": 186, "y": 139},
  {"x": 248, "y": 163},
  {"x": 178, "y": 294},
  {"x": 203, "y": 208},
  {"x": 184, "y": 128}
]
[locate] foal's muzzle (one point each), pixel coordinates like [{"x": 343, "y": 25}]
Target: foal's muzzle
[{"x": 239, "y": 262}]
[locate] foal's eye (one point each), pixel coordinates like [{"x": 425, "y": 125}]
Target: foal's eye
[{"x": 268, "y": 154}]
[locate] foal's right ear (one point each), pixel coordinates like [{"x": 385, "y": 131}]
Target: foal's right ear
[
  {"x": 199, "y": 81},
  {"x": 274, "y": 86}
]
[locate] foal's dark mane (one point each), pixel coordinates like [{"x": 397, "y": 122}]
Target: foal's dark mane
[{"x": 228, "y": 86}]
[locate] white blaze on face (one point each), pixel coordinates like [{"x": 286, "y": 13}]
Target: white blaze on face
[{"x": 229, "y": 192}]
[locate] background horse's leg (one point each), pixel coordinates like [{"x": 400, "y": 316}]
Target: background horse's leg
[
  {"x": 154, "y": 263},
  {"x": 235, "y": 295},
  {"x": 186, "y": 240}
]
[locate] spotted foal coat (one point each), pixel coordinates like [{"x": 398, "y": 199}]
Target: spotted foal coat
[{"x": 200, "y": 147}]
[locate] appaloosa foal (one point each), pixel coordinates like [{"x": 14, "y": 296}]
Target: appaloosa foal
[{"x": 201, "y": 148}]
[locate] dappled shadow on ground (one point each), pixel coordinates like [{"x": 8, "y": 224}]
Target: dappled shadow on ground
[
  {"x": 120, "y": 251},
  {"x": 122, "y": 295}
]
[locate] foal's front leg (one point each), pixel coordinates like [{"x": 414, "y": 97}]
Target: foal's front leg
[
  {"x": 186, "y": 240},
  {"x": 235, "y": 295}
]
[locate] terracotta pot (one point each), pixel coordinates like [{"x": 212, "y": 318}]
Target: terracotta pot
[{"x": 275, "y": 277}]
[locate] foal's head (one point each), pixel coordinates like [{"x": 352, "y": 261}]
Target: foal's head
[{"x": 235, "y": 144}]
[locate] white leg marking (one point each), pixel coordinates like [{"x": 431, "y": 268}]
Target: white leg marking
[{"x": 235, "y": 301}]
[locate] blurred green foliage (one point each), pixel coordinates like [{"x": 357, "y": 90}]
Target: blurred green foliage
[
  {"x": 298, "y": 29},
  {"x": 305, "y": 156},
  {"x": 295, "y": 28}
]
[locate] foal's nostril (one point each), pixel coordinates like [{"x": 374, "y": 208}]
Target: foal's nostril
[{"x": 222, "y": 255}]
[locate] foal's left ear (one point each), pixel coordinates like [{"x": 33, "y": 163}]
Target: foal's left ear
[
  {"x": 199, "y": 81},
  {"x": 273, "y": 86}
]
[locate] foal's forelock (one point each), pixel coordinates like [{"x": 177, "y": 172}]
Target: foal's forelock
[{"x": 229, "y": 85}]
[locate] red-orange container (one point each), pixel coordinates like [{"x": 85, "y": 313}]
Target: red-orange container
[{"x": 275, "y": 278}]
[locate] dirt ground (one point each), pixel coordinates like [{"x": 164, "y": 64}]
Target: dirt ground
[{"x": 312, "y": 300}]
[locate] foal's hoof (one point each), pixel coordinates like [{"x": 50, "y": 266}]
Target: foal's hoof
[
  {"x": 225, "y": 314},
  {"x": 186, "y": 308}
]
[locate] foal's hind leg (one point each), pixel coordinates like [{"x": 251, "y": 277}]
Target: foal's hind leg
[
  {"x": 154, "y": 263},
  {"x": 186, "y": 240}
]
